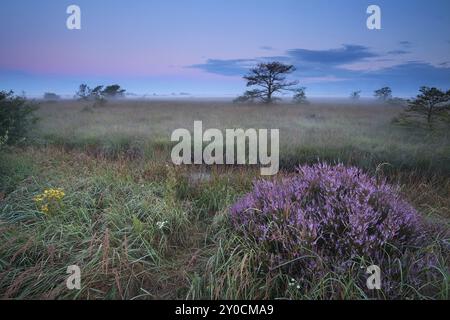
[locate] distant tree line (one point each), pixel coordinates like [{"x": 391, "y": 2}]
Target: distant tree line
[
  {"x": 431, "y": 104},
  {"x": 383, "y": 95},
  {"x": 99, "y": 93},
  {"x": 266, "y": 80},
  {"x": 50, "y": 96}
]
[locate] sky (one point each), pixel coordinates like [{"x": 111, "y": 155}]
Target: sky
[{"x": 204, "y": 47}]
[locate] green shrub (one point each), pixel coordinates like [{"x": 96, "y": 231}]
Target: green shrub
[
  {"x": 16, "y": 115},
  {"x": 3, "y": 140}
]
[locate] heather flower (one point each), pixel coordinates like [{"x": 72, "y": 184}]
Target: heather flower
[{"x": 326, "y": 217}]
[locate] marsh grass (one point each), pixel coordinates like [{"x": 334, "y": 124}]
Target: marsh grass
[
  {"x": 109, "y": 225},
  {"x": 361, "y": 134},
  {"x": 141, "y": 228}
]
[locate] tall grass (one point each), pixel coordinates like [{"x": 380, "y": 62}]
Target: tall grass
[
  {"x": 141, "y": 228},
  {"x": 116, "y": 228},
  {"x": 361, "y": 134}
]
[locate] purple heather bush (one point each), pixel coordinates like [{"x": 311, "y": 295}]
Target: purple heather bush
[{"x": 325, "y": 218}]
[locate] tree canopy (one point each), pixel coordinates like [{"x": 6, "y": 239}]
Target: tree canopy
[
  {"x": 99, "y": 92},
  {"x": 383, "y": 94},
  {"x": 431, "y": 103},
  {"x": 267, "y": 79}
]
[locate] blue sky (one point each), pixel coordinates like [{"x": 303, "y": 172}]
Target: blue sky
[{"x": 203, "y": 47}]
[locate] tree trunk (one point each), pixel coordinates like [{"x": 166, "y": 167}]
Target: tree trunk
[
  {"x": 430, "y": 114},
  {"x": 269, "y": 94}
]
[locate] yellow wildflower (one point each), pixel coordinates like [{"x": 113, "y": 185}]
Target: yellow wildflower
[
  {"x": 44, "y": 208},
  {"x": 50, "y": 200}
]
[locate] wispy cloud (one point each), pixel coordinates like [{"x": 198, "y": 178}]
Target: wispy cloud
[
  {"x": 415, "y": 73},
  {"x": 405, "y": 44},
  {"x": 318, "y": 61},
  {"x": 323, "y": 79},
  {"x": 349, "y": 66},
  {"x": 231, "y": 67},
  {"x": 398, "y": 52},
  {"x": 346, "y": 54}
]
